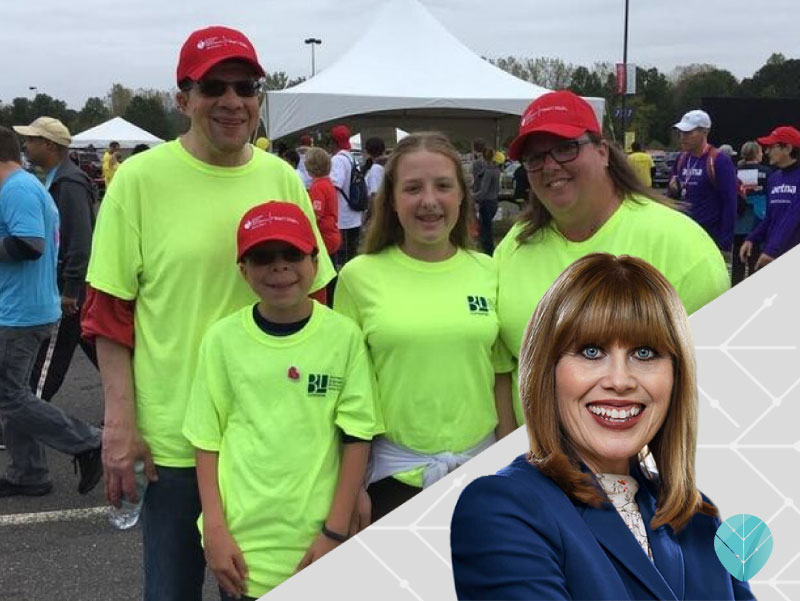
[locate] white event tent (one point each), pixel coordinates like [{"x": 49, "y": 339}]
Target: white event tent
[
  {"x": 117, "y": 129},
  {"x": 406, "y": 71}
]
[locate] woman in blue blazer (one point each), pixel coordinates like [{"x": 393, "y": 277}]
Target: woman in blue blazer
[{"x": 604, "y": 506}]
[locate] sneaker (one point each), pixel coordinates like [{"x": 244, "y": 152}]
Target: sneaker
[
  {"x": 90, "y": 465},
  {"x": 9, "y": 489}
]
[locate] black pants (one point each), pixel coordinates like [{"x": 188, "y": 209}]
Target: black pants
[
  {"x": 388, "y": 494},
  {"x": 739, "y": 270},
  {"x": 349, "y": 246},
  {"x": 486, "y": 213},
  {"x": 55, "y": 355}
]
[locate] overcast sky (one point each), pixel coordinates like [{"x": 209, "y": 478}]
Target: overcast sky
[{"x": 73, "y": 50}]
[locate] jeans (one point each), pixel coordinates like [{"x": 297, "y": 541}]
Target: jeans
[
  {"x": 223, "y": 596},
  {"x": 486, "y": 213},
  {"x": 174, "y": 564},
  {"x": 29, "y": 423}
]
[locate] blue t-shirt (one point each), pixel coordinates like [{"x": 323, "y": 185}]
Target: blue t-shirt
[{"x": 28, "y": 290}]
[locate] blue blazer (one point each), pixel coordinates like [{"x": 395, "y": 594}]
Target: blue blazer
[{"x": 517, "y": 535}]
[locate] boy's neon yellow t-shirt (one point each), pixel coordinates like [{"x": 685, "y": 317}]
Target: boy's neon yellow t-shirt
[
  {"x": 667, "y": 239},
  {"x": 430, "y": 329},
  {"x": 166, "y": 238},
  {"x": 273, "y": 408}
]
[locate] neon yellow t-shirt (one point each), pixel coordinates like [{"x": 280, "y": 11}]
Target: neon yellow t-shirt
[
  {"x": 430, "y": 330},
  {"x": 166, "y": 238},
  {"x": 272, "y": 407},
  {"x": 642, "y": 163},
  {"x": 664, "y": 237}
]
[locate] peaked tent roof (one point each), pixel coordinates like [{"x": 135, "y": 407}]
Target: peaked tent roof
[
  {"x": 117, "y": 129},
  {"x": 405, "y": 60}
]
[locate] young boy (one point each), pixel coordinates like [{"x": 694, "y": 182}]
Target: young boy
[{"x": 281, "y": 415}]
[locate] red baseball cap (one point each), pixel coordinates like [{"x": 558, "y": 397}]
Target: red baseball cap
[
  {"x": 275, "y": 220},
  {"x": 561, "y": 113},
  {"x": 207, "y": 47},
  {"x": 785, "y": 134},
  {"x": 341, "y": 135}
]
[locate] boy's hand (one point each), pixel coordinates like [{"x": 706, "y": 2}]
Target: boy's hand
[
  {"x": 320, "y": 547},
  {"x": 225, "y": 559}
]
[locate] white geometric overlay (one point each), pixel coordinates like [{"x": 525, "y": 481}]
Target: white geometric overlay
[{"x": 748, "y": 460}]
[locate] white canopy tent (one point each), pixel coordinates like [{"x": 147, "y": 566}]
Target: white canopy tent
[
  {"x": 355, "y": 140},
  {"x": 406, "y": 65},
  {"x": 117, "y": 129}
]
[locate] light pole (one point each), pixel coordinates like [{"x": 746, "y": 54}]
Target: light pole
[
  {"x": 623, "y": 119},
  {"x": 313, "y": 42}
]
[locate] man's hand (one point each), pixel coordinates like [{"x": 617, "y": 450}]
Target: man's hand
[
  {"x": 763, "y": 261},
  {"x": 744, "y": 251},
  {"x": 123, "y": 446},
  {"x": 320, "y": 547},
  {"x": 225, "y": 559},
  {"x": 69, "y": 306}
]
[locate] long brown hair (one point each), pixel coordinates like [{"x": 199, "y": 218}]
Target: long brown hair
[
  {"x": 384, "y": 228},
  {"x": 601, "y": 299},
  {"x": 626, "y": 184}
]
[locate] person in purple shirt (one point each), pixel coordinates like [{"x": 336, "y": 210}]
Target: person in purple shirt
[
  {"x": 780, "y": 230},
  {"x": 705, "y": 179}
]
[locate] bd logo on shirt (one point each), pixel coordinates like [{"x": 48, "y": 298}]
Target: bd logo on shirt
[
  {"x": 320, "y": 384},
  {"x": 478, "y": 305}
]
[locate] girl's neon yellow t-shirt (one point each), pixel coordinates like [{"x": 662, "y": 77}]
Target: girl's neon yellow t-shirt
[{"x": 430, "y": 329}]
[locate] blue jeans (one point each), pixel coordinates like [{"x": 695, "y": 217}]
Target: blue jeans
[
  {"x": 29, "y": 423},
  {"x": 486, "y": 213},
  {"x": 174, "y": 565}
]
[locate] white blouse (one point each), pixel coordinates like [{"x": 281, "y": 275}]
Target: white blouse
[{"x": 621, "y": 490}]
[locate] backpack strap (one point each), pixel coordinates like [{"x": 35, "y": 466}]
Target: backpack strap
[{"x": 711, "y": 170}]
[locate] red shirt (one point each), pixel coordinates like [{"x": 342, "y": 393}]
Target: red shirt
[{"x": 326, "y": 208}]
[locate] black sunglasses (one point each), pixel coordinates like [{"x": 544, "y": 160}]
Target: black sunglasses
[
  {"x": 262, "y": 256},
  {"x": 564, "y": 152},
  {"x": 214, "y": 88}
]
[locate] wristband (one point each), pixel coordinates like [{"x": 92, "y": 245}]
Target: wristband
[{"x": 339, "y": 538}]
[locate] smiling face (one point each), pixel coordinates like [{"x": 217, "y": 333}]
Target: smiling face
[
  {"x": 427, "y": 199},
  {"x": 612, "y": 400},
  {"x": 281, "y": 275},
  {"x": 221, "y": 126},
  {"x": 566, "y": 189}
]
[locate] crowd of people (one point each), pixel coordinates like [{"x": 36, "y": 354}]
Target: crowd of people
[{"x": 294, "y": 346}]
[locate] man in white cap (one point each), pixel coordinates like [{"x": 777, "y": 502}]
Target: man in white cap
[
  {"x": 705, "y": 179},
  {"x": 161, "y": 272},
  {"x": 46, "y": 144},
  {"x": 29, "y": 309}
]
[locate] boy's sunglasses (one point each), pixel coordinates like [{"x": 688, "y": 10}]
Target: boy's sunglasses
[
  {"x": 261, "y": 256},
  {"x": 214, "y": 88}
]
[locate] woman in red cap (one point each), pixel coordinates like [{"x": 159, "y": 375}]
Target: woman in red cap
[
  {"x": 586, "y": 198},
  {"x": 780, "y": 230}
]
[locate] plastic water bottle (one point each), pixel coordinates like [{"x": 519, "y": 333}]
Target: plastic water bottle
[{"x": 127, "y": 514}]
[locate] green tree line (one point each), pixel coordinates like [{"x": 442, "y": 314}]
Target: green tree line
[
  {"x": 152, "y": 110},
  {"x": 660, "y": 98}
]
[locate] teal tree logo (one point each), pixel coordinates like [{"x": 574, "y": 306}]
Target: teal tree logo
[{"x": 743, "y": 544}]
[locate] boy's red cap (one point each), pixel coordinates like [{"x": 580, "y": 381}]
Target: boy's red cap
[
  {"x": 275, "y": 220},
  {"x": 207, "y": 47},
  {"x": 561, "y": 113},
  {"x": 341, "y": 135},
  {"x": 782, "y": 135}
]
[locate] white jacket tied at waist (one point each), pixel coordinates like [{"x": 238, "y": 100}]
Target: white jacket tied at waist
[{"x": 388, "y": 458}]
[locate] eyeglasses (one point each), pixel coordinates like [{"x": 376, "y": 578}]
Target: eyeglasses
[
  {"x": 262, "y": 257},
  {"x": 560, "y": 153},
  {"x": 214, "y": 88}
]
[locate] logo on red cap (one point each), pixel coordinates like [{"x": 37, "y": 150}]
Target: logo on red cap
[{"x": 207, "y": 47}]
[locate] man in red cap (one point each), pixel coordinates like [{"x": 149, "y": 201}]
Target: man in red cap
[
  {"x": 585, "y": 198},
  {"x": 342, "y": 165},
  {"x": 161, "y": 273},
  {"x": 780, "y": 230}
]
